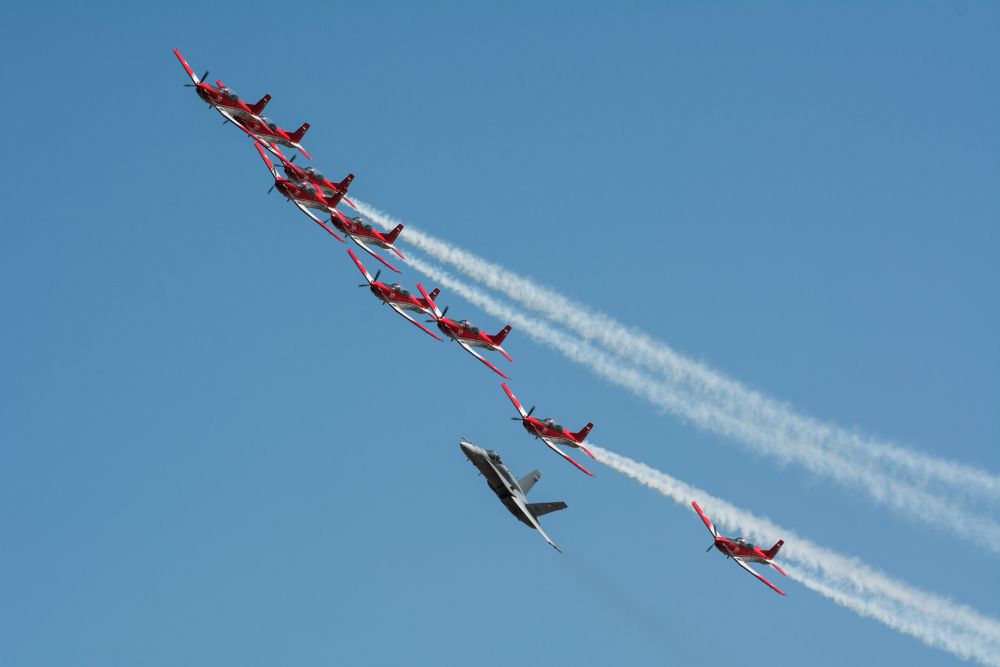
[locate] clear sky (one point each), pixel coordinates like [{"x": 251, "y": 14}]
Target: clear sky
[{"x": 216, "y": 450}]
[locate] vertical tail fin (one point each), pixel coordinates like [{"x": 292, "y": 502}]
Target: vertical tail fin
[
  {"x": 346, "y": 183},
  {"x": 582, "y": 433},
  {"x": 297, "y": 135},
  {"x": 773, "y": 551},
  {"x": 498, "y": 339},
  {"x": 390, "y": 237},
  {"x": 528, "y": 481},
  {"x": 434, "y": 293},
  {"x": 257, "y": 108}
]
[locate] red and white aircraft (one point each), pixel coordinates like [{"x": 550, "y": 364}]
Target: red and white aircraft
[
  {"x": 331, "y": 190},
  {"x": 242, "y": 115},
  {"x": 364, "y": 235},
  {"x": 221, "y": 98},
  {"x": 549, "y": 432},
  {"x": 395, "y": 296},
  {"x": 466, "y": 335},
  {"x": 741, "y": 551},
  {"x": 303, "y": 194}
]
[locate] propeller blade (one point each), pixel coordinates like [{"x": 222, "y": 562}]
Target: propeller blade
[
  {"x": 365, "y": 285},
  {"x": 531, "y": 410},
  {"x": 377, "y": 274},
  {"x": 204, "y": 76},
  {"x": 710, "y": 547},
  {"x": 445, "y": 311},
  {"x": 294, "y": 155},
  {"x": 190, "y": 85},
  {"x": 271, "y": 188}
]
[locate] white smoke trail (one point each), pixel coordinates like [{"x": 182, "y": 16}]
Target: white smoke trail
[
  {"x": 895, "y": 476},
  {"x": 888, "y": 490},
  {"x": 934, "y": 620},
  {"x": 846, "y": 581}
]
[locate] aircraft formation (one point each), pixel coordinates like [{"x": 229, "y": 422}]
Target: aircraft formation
[{"x": 312, "y": 192}]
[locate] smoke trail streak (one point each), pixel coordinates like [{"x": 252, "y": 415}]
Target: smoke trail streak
[
  {"x": 934, "y": 620},
  {"x": 891, "y": 491},
  {"x": 725, "y": 406},
  {"x": 847, "y": 581}
]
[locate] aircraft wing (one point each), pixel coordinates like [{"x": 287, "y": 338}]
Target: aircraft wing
[
  {"x": 319, "y": 222},
  {"x": 187, "y": 68},
  {"x": 374, "y": 254},
  {"x": 749, "y": 569},
  {"x": 406, "y": 315},
  {"x": 534, "y": 522},
  {"x": 708, "y": 523},
  {"x": 566, "y": 456},
  {"x": 361, "y": 266},
  {"x": 468, "y": 348},
  {"x": 260, "y": 149},
  {"x": 350, "y": 203},
  {"x": 513, "y": 399}
]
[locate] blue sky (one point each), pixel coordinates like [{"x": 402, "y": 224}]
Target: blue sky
[{"x": 217, "y": 450}]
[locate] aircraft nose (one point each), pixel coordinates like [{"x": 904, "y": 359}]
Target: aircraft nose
[{"x": 467, "y": 447}]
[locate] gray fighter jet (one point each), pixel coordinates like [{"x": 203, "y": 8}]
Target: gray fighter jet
[{"x": 513, "y": 493}]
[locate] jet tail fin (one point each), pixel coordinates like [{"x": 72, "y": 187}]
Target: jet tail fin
[
  {"x": 528, "y": 481},
  {"x": 540, "y": 509},
  {"x": 773, "y": 551},
  {"x": 257, "y": 108}
]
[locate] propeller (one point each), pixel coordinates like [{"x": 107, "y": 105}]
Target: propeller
[
  {"x": 710, "y": 547},
  {"x": 272, "y": 187},
  {"x": 374, "y": 280},
  {"x": 531, "y": 410},
  {"x": 193, "y": 85},
  {"x": 437, "y": 317}
]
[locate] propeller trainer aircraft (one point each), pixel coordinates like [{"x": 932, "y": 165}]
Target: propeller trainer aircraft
[
  {"x": 549, "y": 432},
  {"x": 466, "y": 335},
  {"x": 364, "y": 234},
  {"x": 742, "y": 551},
  {"x": 395, "y": 296},
  {"x": 513, "y": 493},
  {"x": 242, "y": 115}
]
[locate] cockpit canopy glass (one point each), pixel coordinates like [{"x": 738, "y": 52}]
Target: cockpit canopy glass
[{"x": 494, "y": 456}]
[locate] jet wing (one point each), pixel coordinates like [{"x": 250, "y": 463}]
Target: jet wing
[
  {"x": 534, "y": 522},
  {"x": 468, "y": 348},
  {"x": 749, "y": 569},
  {"x": 708, "y": 523},
  {"x": 566, "y": 456},
  {"x": 374, "y": 254},
  {"x": 406, "y": 315}
]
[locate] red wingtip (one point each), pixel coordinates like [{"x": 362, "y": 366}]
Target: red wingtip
[{"x": 588, "y": 452}]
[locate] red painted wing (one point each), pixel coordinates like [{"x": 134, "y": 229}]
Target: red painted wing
[
  {"x": 469, "y": 349},
  {"x": 567, "y": 457},
  {"x": 754, "y": 573},
  {"x": 513, "y": 399},
  {"x": 708, "y": 524}
]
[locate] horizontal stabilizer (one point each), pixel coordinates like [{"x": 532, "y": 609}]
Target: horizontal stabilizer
[
  {"x": 528, "y": 481},
  {"x": 540, "y": 509}
]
